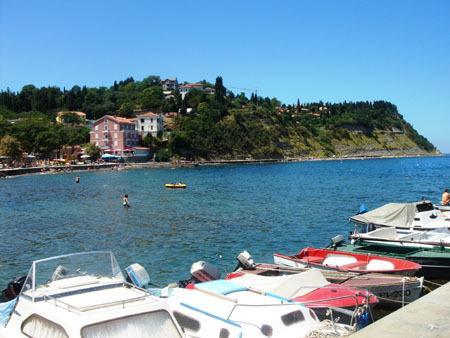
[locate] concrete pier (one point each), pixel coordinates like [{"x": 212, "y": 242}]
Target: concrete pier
[{"x": 428, "y": 316}]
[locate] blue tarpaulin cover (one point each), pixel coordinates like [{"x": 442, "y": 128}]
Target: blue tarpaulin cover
[{"x": 5, "y": 311}]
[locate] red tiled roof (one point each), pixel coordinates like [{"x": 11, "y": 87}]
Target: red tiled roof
[
  {"x": 192, "y": 85},
  {"x": 148, "y": 114},
  {"x": 79, "y": 113}
]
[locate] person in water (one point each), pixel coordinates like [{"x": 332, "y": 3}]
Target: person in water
[
  {"x": 77, "y": 179},
  {"x": 446, "y": 198},
  {"x": 125, "y": 201}
]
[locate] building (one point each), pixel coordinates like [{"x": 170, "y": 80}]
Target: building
[
  {"x": 60, "y": 116},
  {"x": 169, "y": 84},
  {"x": 149, "y": 123},
  {"x": 186, "y": 88},
  {"x": 115, "y": 135}
]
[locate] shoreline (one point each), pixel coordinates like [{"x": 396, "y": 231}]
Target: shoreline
[{"x": 65, "y": 169}]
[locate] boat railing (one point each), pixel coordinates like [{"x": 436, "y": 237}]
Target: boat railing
[{"x": 55, "y": 299}]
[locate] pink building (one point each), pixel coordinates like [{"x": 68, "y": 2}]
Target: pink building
[{"x": 115, "y": 135}]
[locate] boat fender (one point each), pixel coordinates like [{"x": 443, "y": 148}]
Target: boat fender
[{"x": 362, "y": 320}]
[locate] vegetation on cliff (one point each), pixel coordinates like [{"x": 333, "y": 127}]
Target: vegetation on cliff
[{"x": 220, "y": 125}]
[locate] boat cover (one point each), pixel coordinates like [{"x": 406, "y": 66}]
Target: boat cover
[
  {"x": 392, "y": 214},
  {"x": 5, "y": 311},
  {"x": 288, "y": 287}
]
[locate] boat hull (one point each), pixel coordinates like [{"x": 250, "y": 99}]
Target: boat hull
[
  {"x": 391, "y": 290},
  {"x": 316, "y": 258},
  {"x": 435, "y": 262}
]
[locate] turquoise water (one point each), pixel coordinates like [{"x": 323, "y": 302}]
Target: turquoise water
[{"x": 226, "y": 209}]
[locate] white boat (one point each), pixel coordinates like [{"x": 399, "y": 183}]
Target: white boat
[
  {"x": 416, "y": 216},
  {"x": 255, "y": 313},
  {"x": 222, "y": 308},
  {"x": 84, "y": 295},
  {"x": 406, "y": 238}
]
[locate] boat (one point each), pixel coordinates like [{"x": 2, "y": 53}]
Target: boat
[
  {"x": 222, "y": 308},
  {"x": 435, "y": 261},
  {"x": 175, "y": 185},
  {"x": 257, "y": 313},
  {"x": 329, "y": 259},
  {"x": 83, "y": 295},
  {"x": 391, "y": 290},
  {"x": 314, "y": 291},
  {"x": 437, "y": 238},
  {"x": 421, "y": 215}
]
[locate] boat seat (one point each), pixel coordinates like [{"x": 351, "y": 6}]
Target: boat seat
[
  {"x": 353, "y": 265},
  {"x": 339, "y": 260},
  {"x": 379, "y": 264},
  {"x": 313, "y": 259}
]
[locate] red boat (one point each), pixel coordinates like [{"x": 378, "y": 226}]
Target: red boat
[
  {"x": 311, "y": 289},
  {"x": 347, "y": 261}
]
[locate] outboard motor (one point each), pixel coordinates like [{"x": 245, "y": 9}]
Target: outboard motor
[
  {"x": 245, "y": 261},
  {"x": 204, "y": 271},
  {"x": 336, "y": 241},
  {"x": 13, "y": 289},
  {"x": 137, "y": 275}
]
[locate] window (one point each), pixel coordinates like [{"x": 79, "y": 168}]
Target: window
[
  {"x": 96, "y": 143},
  {"x": 38, "y": 327},
  {"x": 292, "y": 317},
  {"x": 106, "y": 126},
  {"x": 187, "y": 322},
  {"x": 151, "y": 120},
  {"x": 96, "y": 127},
  {"x": 156, "y": 324},
  {"x": 142, "y": 120},
  {"x": 115, "y": 135},
  {"x": 116, "y": 143},
  {"x": 116, "y": 126},
  {"x": 96, "y": 135},
  {"x": 142, "y": 128},
  {"x": 151, "y": 127}
]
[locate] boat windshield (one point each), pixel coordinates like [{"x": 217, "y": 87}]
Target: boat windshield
[{"x": 82, "y": 266}]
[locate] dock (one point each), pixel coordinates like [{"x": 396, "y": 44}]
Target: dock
[{"x": 429, "y": 316}]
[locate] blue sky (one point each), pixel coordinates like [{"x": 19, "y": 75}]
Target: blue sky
[{"x": 311, "y": 50}]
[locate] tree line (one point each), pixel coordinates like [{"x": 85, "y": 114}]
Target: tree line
[{"x": 219, "y": 125}]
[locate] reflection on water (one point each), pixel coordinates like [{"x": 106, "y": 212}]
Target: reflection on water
[{"x": 225, "y": 209}]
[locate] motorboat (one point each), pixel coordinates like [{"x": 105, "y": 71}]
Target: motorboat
[
  {"x": 222, "y": 308},
  {"x": 329, "y": 259},
  {"x": 421, "y": 215},
  {"x": 313, "y": 290},
  {"x": 177, "y": 185},
  {"x": 439, "y": 238},
  {"x": 83, "y": 295},
  {"x": 391, "y": 290},
  {"x": 255, "y": 312},
  {"x": 430, "y": 248}
]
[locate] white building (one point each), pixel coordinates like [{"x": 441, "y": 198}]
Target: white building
[{"x": 149, "y": 123}]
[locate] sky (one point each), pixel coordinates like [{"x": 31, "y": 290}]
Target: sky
[{"x": 327, "y": 50}]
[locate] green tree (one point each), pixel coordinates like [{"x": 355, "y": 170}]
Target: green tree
[
  {"x": 72, "y": 119},
  {"x": 219, "y": 90},
  {"x": 93, "y": 151},
  {"x": 152, "y": 98},
  {"x": 126, "y": 109},
  {"x": 10, "y": 147}
]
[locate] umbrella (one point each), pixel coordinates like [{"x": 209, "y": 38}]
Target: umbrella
[{"x": 110, "y": 156}]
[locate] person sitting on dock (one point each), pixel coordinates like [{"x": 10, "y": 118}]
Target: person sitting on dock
[{"x": 446, "y": 198}]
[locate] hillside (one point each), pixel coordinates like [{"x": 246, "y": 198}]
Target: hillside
[{"x": 215, "y": 123}]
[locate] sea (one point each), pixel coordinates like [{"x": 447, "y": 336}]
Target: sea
[{"x": 226, "y": 209}]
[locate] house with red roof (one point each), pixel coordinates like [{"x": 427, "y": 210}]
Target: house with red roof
[{"x": 115, "y": 135}]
